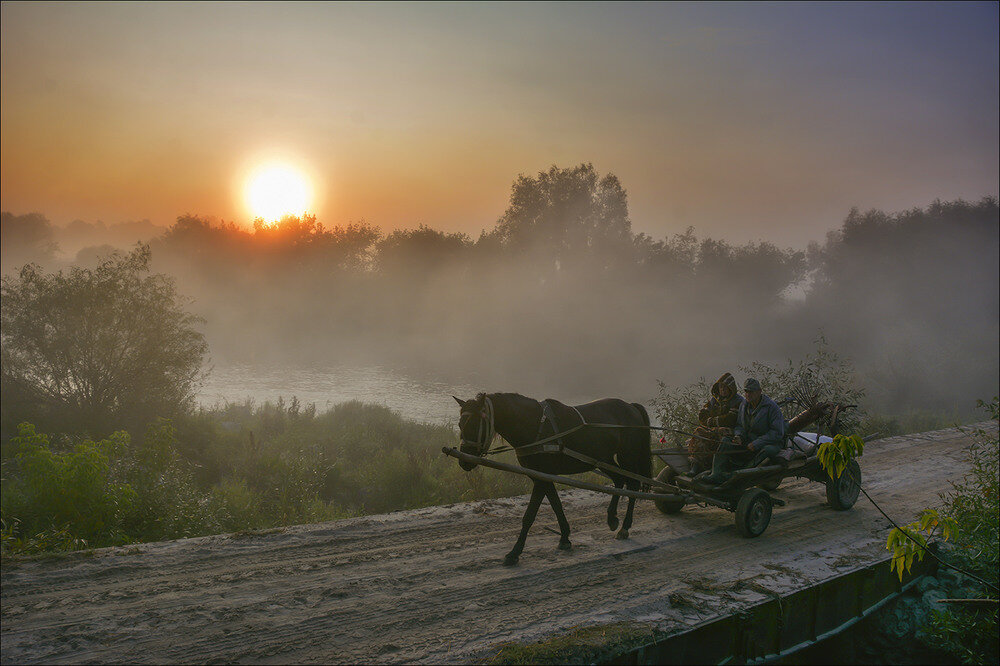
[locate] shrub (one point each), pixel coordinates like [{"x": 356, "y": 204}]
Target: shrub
[
  {"x": 66, "y": 496},
  {"x": 820, "y": 376},
  {"x": 969, "y": 631}
]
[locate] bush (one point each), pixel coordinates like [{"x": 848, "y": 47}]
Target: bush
[
  {"x": 821, "y": 376},
  {"x": 167, "y": 502},
  {"x": 270, "y": 465},
  {"x": 969, "y": 631},
  {"x": 65, "y": 498}
]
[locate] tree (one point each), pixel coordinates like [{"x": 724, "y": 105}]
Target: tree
[
  {"x": 25, "y": 238},
  {"x": 413, "y": 252},
  {"x": 92, "y": 350},
  {"x": 565, "y": 211}
]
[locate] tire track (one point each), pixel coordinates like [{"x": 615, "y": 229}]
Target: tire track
[{"x": 427, "y": 585}]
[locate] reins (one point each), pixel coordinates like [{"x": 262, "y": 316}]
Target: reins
[{"x": 538, "y": 446}]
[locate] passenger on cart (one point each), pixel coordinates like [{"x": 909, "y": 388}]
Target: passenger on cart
[
  {"x": 716, "y": 422},
  {"x": 759, "y": 434}
]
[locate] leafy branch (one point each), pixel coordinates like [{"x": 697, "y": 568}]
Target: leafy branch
[
  {"x": 909, "y": 542},
  {"x": 834, "y": 456}
]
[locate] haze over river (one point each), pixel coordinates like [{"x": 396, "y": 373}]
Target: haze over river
[{"x": 420, "y": 398}]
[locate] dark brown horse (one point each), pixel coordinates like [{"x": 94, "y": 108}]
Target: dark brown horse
[{"x": 521, "y": 421}]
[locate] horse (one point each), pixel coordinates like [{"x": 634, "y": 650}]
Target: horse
[{"x": 522, "y": 421}]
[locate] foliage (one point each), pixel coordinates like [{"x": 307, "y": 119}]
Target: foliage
[
  {"x": 834, "y": 456},
  {"x": 564, "y": 211},
  {"x": 167, "y": 503},
  {"x": 678, "y": 408},
  {"x": 24, "y": 239},
  {"x": 969, "y": 633},
  {"x": 900, "y": 289},
  {"x": 62, "y": 497},
  {"x": 909, "y": 543},
  {"x": 91, "y": 350},
  {"x": 258, "y": 467},
  {"x": 971, "y": 518},
  {"x": 52, "y": 540},
  {"x": 820, "y": 376}
]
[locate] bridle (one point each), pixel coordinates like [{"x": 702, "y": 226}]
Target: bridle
[{"x": 487, "y": 428}]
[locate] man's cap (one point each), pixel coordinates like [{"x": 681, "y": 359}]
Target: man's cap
[{"x": 751, "y": 384}]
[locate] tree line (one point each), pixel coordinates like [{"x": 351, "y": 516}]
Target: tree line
[{"x": 562, "y": 293}]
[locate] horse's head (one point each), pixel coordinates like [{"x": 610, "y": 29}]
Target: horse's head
[{"x": 475, "y": 427}]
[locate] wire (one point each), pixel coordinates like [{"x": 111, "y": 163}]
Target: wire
[
  {"x": 918, "y": 544},
  {"x": 995, "y": 589}
]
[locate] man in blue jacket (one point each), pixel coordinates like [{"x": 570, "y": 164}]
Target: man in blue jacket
[{"x": 759, "y": 433}]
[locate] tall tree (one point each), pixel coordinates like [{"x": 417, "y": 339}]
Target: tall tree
[{"x": 567, "y": 211}]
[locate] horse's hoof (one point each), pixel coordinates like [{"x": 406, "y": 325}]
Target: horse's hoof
[
  {"x": 612, "y": 522},
  {"x": 510, "y": 560},
  {"x": 622, "y": 535},
  {"x": 565, "y": 545}
]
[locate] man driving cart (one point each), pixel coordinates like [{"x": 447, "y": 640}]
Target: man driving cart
[{"x": 759, "y": 433}]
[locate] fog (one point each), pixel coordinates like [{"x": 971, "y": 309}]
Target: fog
[{"x": 563, "y": 297}]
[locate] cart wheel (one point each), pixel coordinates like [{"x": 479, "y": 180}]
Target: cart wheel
[
  {"x": 842, "y": 493},
  {"x": 668, "y": 506},
  {"x": 753, "y": 512},
  {"x": 666, "y": 475},
  {"x": 770, "y": 485}
]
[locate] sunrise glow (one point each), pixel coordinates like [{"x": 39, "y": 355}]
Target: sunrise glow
[{"x": 275, "y": 190}]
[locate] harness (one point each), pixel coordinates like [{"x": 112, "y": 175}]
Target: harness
[
  {"x": 487, "y": 427},
  {"x": 553, "y": 443}
]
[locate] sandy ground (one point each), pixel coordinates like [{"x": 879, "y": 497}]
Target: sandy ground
[{"x": 428, "y": 585}]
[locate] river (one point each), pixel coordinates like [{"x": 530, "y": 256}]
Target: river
[
  {"x": 414, "y": 396},
  {"x": 418, "y": 398}
]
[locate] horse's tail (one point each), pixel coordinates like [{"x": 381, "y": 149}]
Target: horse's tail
[{"x": 644, "y": 447}]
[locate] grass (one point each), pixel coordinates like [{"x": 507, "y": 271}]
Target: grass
[{"x": 581, "y": 645}]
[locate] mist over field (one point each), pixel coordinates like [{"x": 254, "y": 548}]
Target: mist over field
[{"x": 565, "y": 295}]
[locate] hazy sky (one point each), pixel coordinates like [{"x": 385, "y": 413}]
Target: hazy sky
[{"x": 746, "y": 121}]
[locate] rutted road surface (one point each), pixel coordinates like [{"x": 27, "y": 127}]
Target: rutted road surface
[{"x": 428, "y": 585}]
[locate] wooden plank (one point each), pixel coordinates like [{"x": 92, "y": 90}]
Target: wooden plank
[
  {"x": 614, "y": 468},
  {"x": 566, "y": 481}
]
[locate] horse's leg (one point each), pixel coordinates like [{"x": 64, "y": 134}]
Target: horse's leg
[
  {"x": 627, "y": 524},
  {"x": 537, "y": 493},
  {"x": 556, "y": 503},
  {"x": 619, "y": 482}
]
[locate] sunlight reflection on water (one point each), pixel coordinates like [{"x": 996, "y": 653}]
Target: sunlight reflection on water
[
  {"x": 419, "y": 399},
  {"x": 415, "y": 397}
]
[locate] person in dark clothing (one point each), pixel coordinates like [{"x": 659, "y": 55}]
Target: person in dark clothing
[
  {"x": 759, "y": 433},
  {"x": 716, "y": 421}
]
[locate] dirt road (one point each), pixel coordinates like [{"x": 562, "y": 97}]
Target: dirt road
[{"x": 428, "y": 585}]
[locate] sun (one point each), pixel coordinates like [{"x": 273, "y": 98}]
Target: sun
[{"x": 275, "y": 190}]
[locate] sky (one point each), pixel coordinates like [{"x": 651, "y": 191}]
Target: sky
[{"x": 746, "y": 121}]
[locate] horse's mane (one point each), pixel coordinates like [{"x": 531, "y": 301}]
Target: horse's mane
[{"x": 506, "y": 397}]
